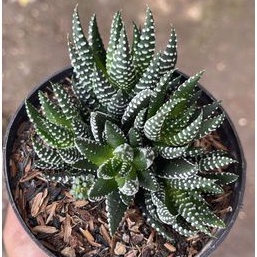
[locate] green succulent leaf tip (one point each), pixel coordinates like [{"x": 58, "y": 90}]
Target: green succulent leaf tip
[{"x": 128, "y": 127}]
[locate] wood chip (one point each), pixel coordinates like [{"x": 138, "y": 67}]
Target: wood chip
[
  {"x": 91, "y": 225},
  {"x": 192, "y": 237},
  {"x": 52, "y": 210},
  {"x": 37, "y": 202},
  {"x": 105, "y": 234},
  {"x": 221, "y": 198},
  {"x": 170, "y": 247},
  {"x": 95, "y": 244},
  {"x": 87, "y": 235},
  {"x": 29, "y": 176},
  {"x": 133, "y": 226},
  {"x": 28, "y": 166},
  {"x": 224, "y": 211},
  {"x": 132, "y": 253},
  {"x": 120, "y": 249},
  {"x": 40, "y": 219},
  {"x": 67, "y": 229},
  {"x": 80, "y": 203},
  {"x": 45, "y": 229},
  {"x": 151, "y": 237}
]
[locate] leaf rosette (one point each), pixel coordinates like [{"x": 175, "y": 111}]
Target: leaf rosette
[{"x": 132, "y": 128}]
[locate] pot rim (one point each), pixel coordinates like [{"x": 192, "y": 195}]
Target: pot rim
[{"x": 209, "y": 248}]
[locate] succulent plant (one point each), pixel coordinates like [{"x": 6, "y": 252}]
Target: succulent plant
[{"x": 131, "y": 129}]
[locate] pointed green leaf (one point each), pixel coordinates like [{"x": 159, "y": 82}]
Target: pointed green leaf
[
  {"x": 52, "y": 112},
  {"x": 70, "y": 155},
  {"x": 102, "y": 88},
  {"x": 209, "y": 109},
  {"x": 185, "y": 136},
  {"x": 197, "y": 183},
  {"x": 158, "y": 199},
  {"x": 102, "y": 187},
  {"x": 131, "y": 184},
  {"x": 146, "y": 47},
  {"x": 54, "y": 135},
  {"x": 115, "y": 210},
  {"x": 224, "y": 178},
  {"x": 65, "y": 101},
  {"x": 196, "y": 212},
  {"x": 116, "y": 27},
  {"x": 114, "y": 135},
  {"x": 143, "y": 158},
  {"x": 109, "y": 169},
  {"x": 136, "y": 39},
  {"x": 215, "y": 161},
  {"x": 140, "y": 121},
  {"x": 80, "y": 128},
  {"x": 97, "y": 123},
  {"x": 169, "y": 57},
  {"x": 170, "y": 152},
  {"x": 122, "y": 69},
  {"x": 46, "y": 154},
  {"x": 194, "y": 151},
  {"x": 150, "y": 77},
  {"x": 138, "y": 102},
  {"x": 210, "y": 125},
  {"x": 178, "y": 169},
  {"x": 40, "y": 164},
  {"x": 208, "y": 217},
  {"x": 81, "y": 57},
  {"x": 153, "y": 220},
  {"x": 190, "y": 214},
  {"x": 118, "y": 104},
  {"x": 147, "y": 180},
  {"x": 135, "y": 138},
  {"x": 96, "y": 43},
  {"x": 93, "y": 151},
  {"x": 153, "y": 126},
  {"x": 160, "y": 93},
  {"x": 186, "y": 90},
  {"x": 84, "y": 90},
  {"x": 81, "y": 43}
]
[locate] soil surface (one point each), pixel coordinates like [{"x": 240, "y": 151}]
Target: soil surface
[{"x": 217, "y": 36}]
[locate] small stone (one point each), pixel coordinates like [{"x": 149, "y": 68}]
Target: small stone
[
  {"x": 126, "y": 238},
  {"x": 120, "y": 249},
  {"x": 136, "y": 238},
  {"x": 68, "y": 252}
]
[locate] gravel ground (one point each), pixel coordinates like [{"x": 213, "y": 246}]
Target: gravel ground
[{"x": 215, "y": 35}]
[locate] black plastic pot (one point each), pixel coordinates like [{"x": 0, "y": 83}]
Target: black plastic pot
[{"x": 227, "y": 132}]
